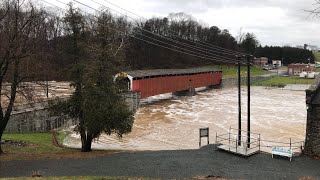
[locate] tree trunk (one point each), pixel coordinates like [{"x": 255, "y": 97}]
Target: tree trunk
[
  {"x": 3, "y": 123},
  {"x": 4, "y": 118},
  {"x": 1, "y": 132},
  {"x": 83, "y": 139},
  {"x": 86, "y": 147}
]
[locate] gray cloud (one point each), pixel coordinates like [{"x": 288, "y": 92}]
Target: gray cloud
[
  {"x": 275, "y": 22},
  {"x": 280, "y": 21}
]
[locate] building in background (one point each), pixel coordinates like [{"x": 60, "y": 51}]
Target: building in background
[
  {"x": 262, "y": 61},
  {"x": 276, "y": 63},
  {"x": 296, "y": 69}
]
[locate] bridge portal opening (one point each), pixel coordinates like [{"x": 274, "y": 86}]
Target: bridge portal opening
[{"x": 123, "y": 81}]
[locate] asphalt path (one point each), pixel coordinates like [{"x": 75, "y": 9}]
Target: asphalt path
[{"x": 170, "y": 164}]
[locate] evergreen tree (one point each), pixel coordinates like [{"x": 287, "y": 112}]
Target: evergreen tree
[{"x": 98, "y": 102}]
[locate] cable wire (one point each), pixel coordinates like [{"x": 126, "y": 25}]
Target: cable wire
[
  {"x": 182, "y": 43},
  {"x": 226, "y": 58},
  {"x": 207, "y": 44},
  {"x": 219, "y": 60}
]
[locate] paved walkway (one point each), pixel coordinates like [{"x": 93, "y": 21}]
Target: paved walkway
[{"x": 170, "y": 164}]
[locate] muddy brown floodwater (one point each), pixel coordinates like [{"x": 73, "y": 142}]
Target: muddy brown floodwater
[{"x": 168, "y": 122}]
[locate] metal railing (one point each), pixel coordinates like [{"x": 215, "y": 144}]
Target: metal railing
[
  {"x": 294, "y": 146},
  {"x": 239, "y": 143}
]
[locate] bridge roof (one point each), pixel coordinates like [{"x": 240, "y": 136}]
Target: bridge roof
[{"x": 169, "y": 72}]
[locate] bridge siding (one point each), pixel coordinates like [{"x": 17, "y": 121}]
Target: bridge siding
[{"x": 160, "y": 85}]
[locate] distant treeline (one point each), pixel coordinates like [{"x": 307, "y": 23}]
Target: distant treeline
[
  {"x": 288, "y": 55},
  {"x": 182, "y": 33}
]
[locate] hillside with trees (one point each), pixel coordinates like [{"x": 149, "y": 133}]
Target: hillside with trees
[{"x": 287, "y": 54}]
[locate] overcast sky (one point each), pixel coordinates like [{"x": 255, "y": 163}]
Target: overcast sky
[{"x": 274, "y": 22}]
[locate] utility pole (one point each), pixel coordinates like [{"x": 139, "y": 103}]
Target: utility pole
[
  {"x": 47, "y": 87},
  {"x": 239, "y": 100},
  {"x": 308, "y": 69},
  {"x": 277, "y": 64},
  {"x": 248, "y": 85}
]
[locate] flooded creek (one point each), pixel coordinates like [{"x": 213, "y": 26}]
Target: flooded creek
[{"x": 167, "y": 122}]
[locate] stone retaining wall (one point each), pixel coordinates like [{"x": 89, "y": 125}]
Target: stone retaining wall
[
  {"x": 133, "y": 101},
  {"x": 37, "y": 119},
  {"x": 312, "y": 144}
]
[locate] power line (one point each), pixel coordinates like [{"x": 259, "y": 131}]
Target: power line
[
  {"x": 207, "y": 44},
  {"x": 181, "y": 43},
  {"x": 219, "y": 60},
  {"x": 225, "y": 58},
  {"x": 184, "y": 48},
  {"x": 170, "y": 39},
  {"x": 232, "y": 60}
]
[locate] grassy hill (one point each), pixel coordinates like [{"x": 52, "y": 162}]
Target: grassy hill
[
  {"x": 231, "y": 71},
  {"x": 317, "y": 55}
]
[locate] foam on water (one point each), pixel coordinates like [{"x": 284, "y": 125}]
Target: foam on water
[{"x": 170, "y": 122}]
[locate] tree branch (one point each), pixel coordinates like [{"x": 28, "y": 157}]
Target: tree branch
[{"x": 119, "y": 47}]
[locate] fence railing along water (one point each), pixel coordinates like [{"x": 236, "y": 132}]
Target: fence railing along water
[
  {"x": 239, "y": 144},
  {"x": 296, "y": 147}
]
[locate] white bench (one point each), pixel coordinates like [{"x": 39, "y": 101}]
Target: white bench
[{"x": 282, "y": 152}]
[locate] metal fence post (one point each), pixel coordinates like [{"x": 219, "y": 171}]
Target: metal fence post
[
  {"x": 208, "y": 136},
  {"x": 236, "y": 146},
  {"x": 216, "y": 138},
  {"x": 290, "y": 143},
  {"x": 199, "y": 137},
  {"x": 259, "y": 142}
]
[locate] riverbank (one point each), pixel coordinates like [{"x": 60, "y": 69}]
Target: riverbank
[
  {"x": 232, "y": 71},
  {"x": 282, "y": 81}
]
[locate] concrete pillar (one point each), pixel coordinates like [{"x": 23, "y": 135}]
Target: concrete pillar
[{"x": 189, "y": 92}]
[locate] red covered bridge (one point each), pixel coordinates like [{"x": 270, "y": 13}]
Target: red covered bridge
[{"x": 160, "y": 81}]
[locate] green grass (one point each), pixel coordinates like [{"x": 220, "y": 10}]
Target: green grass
[
  {"x": 40, "y": 146},
  {"x": 316, "y": 55},
  {"x": 232, "y": 71},
  {"x": 36, "y": 143},
  {"x": 282, "y": 81}
]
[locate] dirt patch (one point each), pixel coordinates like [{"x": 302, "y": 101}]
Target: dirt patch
[
  {"x": 210, "y": 177},
  {"x": 307, "y": 178},
  {"x": 69, "y": 154},
  {"x": 13, "y": 142}
]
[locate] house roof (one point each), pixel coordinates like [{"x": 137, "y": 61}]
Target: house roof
[
  {"x": 168, "y": 72},
  {"x": 300, "y": 65}
]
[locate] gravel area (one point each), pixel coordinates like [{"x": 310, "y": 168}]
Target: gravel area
[{"x": 170, "y": 164}]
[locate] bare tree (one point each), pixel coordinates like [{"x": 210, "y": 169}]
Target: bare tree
[
  {"x": 22, "y": 31},
  {"x": 241, "y": 35},
  {"x": 316, "y": 11}
]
